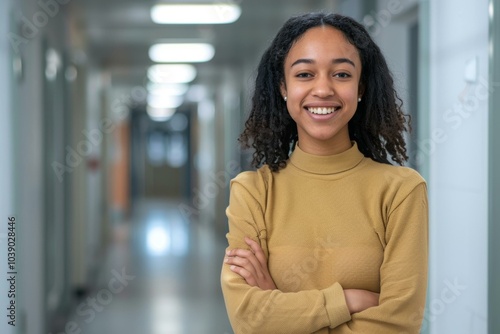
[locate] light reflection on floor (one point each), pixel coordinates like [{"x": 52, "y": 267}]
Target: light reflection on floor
[{"x": 175, "y": 287}]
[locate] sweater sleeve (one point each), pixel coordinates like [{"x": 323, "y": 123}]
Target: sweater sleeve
[
  {"x": 403, "y": 273},
  {"x": 252, "y": 310}
]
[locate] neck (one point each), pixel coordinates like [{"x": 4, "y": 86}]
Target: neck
[{"x": 322, "y": 148}]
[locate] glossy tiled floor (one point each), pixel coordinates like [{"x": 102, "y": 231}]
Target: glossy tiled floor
[{"x": 161, "y": 276}]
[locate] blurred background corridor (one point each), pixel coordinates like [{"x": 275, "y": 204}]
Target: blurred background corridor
[{"x": 118, "y": 146}]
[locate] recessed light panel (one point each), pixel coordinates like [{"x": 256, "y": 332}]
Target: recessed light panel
[
  {"x": 179, "y": 73},
  {"x": 181, "y": 52},
  {"x": 195, "y": 13}
]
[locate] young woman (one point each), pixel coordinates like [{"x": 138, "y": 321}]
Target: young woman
[{"x": 327, "y": 236}]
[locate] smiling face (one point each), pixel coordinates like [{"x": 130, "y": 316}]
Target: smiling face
[{"x": 322, "y": 74}]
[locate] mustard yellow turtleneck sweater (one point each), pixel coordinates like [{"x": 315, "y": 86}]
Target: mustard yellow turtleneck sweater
[{"x": 328, "y": 223}]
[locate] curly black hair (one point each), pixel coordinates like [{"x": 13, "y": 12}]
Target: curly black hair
[{"x": 378, "y": 124}]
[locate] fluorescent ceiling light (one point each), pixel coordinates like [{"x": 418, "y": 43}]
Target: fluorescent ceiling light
[
  {"x": 181, "y": 52},
  {"x": 195, "y": 13},
  {"x": 160, "y": 114},
  {"x": 181, "y": 73},
  {"x": 167, "y": 89},
  {"x": 164, "y": 101},
  {"x": 159, "y": 118}
]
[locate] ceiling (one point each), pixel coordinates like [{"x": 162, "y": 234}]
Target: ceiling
[{"x": 120, "y": 32}]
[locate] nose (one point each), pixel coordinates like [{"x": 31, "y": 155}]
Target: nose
[{"x": 323, "y": 87}]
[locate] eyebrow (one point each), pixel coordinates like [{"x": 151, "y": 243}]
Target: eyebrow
[{"x": 335, "y": 61}]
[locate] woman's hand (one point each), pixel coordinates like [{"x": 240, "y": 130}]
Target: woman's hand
[
  {"x": 251, "y": 265},
  {"x": 359, "y": 300}
]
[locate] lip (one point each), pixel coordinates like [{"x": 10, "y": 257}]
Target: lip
[
  {"x": 322, "y": 117},
  {"x": 325, "y": 104}
]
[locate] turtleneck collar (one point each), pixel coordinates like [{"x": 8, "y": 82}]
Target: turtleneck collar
[{"x": 328, "y": 164}]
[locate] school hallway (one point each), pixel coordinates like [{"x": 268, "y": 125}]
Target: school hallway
[
  {"x": 167, "y": 271},
  {"x": 119, "y": 132}
]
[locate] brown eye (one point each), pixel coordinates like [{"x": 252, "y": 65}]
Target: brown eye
[
  {"x": 343, "y": 75},
  {"x": 303, "y": 75}
]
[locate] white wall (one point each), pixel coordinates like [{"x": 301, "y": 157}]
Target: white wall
[
  {"x": 458, "y": 166},
  {"x": 28, "y": 138},
  {"x": 456, "y": 149}
]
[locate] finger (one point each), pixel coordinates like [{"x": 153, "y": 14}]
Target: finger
[
  {"x": 257, "y": 250},
  {"x": 247, "y": 254},
  {"x": 241, "y": 262},
  {"x": 254, "y": 245},
  {"x": 247, "y": 276},
  {"x": 240, "y": 252},
  {"x": 247, "y": 259}
]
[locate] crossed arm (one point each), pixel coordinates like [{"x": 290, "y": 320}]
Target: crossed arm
[
  {"x": 252, "y": 266},
  {"x": 254, "y": 304}
]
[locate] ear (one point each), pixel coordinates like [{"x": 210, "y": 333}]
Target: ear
[{"x": 283, "y": 89}]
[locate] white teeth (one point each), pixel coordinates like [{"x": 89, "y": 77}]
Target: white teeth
[{"x": 322, "y": 111}]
